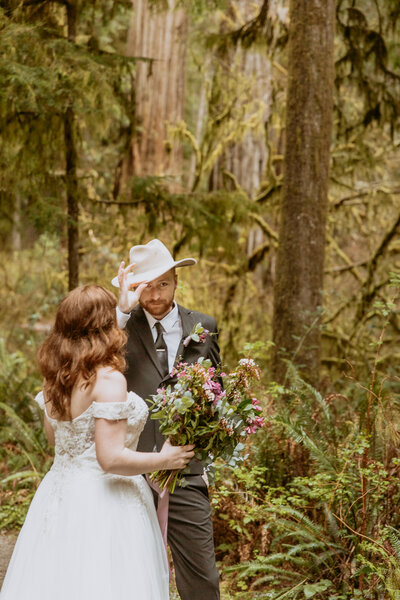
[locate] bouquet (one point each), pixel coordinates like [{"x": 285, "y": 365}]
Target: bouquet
[{"x": 214, "y": 411}]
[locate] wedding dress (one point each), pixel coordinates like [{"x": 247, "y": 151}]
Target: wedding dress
[{"x": 89, "y": 535}]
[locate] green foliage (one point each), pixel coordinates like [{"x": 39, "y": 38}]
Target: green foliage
[
  {"x": 24, "y": 457},
  {"x": 43, "y": 74},
  {"x": 368, "y": 64},
  {"x": 330, "y": 531},
  {"x": 195, "y": 219}
]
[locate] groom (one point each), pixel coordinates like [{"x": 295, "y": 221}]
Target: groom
[{"x": 156, "y": 329}]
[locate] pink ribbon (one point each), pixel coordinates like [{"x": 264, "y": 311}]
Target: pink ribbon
[{"x": 162, "y": 512}]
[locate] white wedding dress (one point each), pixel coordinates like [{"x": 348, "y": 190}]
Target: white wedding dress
[{"x": 89, "y": 535}]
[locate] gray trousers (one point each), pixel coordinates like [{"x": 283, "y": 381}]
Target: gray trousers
[{"x": 190, "y": 538}]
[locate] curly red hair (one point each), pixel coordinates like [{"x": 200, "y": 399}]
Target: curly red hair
[{"x": 85, "y": 336}]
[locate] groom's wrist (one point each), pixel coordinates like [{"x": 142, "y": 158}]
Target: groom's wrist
[
  {"x": 123, "y": 311},
  {"x": 122, "y": 317}
]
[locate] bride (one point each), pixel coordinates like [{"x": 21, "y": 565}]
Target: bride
[{"x": 91, "y": 532}]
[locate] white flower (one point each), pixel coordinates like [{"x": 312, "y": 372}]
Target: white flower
[{"x": 249, "y": 362}]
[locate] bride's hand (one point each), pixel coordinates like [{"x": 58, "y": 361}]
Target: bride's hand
[
  {"x": 176, "y": 457},
  {"x": 128, "y": 298}
]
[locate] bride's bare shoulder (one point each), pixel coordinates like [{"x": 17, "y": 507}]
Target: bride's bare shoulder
[{"x": 110, "y": 386}]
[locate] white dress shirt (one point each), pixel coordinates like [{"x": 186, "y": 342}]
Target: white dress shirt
[{"x": 172, "y": 329}]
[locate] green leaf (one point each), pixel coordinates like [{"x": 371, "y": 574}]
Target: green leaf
[{"x": 310, "y": 589}]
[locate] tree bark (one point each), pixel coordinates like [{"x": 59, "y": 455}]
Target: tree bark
[
  {"x": 301, "y": 252},
  {"x": 16, "y": 241},
  {"x": 159, "y": 87},
  {"x": 246, "y": 160},
  {"x": 71, "y": 180}
]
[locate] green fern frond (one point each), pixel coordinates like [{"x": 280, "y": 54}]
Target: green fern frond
[
  {"x": 25, "y": 476},
  {"x": 300, "y": 521},
  {"x": 305, "y": 547},
  {"x": 291, "y": 593},
  {"x": 394, "y": 538},
  {"x": 26, "y": 433},
  {"x": 300, "y": 436},
  {"x": 250, "y": 569}
]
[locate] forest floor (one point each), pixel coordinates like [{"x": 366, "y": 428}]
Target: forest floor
[{"x": 7, "y": 541}]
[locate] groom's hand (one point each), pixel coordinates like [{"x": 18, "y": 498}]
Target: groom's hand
[{"x": 128, "y": 298}]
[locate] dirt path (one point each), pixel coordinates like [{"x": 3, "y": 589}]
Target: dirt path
[{"x": 7, "y": 541}]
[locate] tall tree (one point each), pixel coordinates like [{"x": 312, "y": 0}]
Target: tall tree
[
  {"x": 71, "y": 179},
  {"x": 62, "y": 103},
  {"x": 300, "y": 259},
  {"x": 158, "y": 33}
]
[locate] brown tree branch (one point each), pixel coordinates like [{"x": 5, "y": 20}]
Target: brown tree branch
[
  {"x": 368, "y": 295},
  {"x": 269, "y": 232},
  {"x": 342, "y": 269},
  {"x": 344, "y": 256}
]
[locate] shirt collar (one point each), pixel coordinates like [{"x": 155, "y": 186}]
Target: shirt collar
[{"x": 167, "y": 322}]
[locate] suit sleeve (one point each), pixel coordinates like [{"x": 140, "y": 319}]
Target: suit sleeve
[{"x": 122, "y": 318}]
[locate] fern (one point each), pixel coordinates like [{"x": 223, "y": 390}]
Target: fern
[
  {"x": 22, "y": 430},
  {"x": 394, "y": 538}
]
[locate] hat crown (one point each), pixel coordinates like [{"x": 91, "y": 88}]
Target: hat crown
[{"x": 150, "y": 256}]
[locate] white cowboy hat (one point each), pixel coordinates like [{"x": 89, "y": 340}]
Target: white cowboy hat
[{"x": 151, "y": 261}]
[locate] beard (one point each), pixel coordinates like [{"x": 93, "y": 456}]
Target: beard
[{"x": 159, "y": 308}]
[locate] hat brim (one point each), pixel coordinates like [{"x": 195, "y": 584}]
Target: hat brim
[{"x": 136, "y": 278}]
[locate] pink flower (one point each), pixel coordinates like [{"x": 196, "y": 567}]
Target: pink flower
[
  {"x": 196, "y": 335},
  {"x": 256, "y": 404},
  {"x": 254, "y": 424},
  {"x": 203, "y": 336},
  {"x": 251, "y": 429},
  {"x": 214, "y": 386}
]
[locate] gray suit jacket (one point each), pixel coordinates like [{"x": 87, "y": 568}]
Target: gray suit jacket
[{"x": 143, "y": 372}]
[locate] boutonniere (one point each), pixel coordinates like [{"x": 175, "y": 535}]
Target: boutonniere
[{"x": 198, "y": 334}]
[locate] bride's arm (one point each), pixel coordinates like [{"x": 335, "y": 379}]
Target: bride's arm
[
  {"x": 110, "y": 435},
  {"x": 49, "y": 431}
]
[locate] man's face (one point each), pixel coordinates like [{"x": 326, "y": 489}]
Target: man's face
[{"x": 158, "y": 296}]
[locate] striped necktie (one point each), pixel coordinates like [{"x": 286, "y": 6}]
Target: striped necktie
[{"x": 161, "y": 349}]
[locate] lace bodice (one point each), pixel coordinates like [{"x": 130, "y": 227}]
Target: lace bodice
[{"x": 74, "y": 440}]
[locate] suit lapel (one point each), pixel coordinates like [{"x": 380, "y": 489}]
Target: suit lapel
[
  {"x": 187, "y": 326},
  {"x": 142, "y": 328}
]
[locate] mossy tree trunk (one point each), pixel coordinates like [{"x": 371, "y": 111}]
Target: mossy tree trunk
[
  {"x": 160, "y": 34},
  {"x": 300, "y": 259},
  {"x": 71, "y": 179}
]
